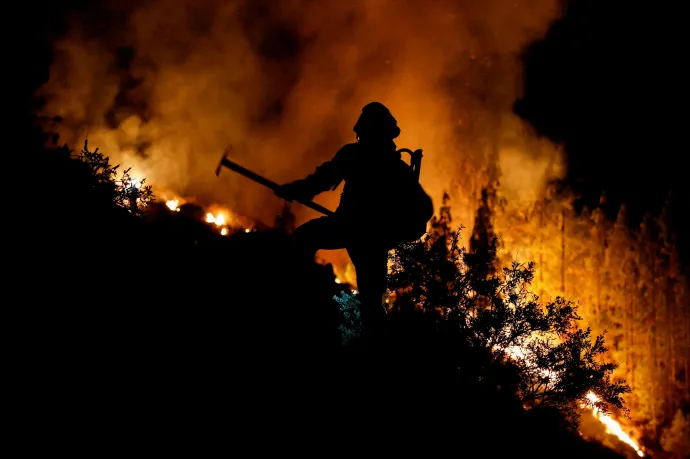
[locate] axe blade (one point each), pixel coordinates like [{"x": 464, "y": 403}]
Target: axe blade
[{"x": 222, "y": 159}]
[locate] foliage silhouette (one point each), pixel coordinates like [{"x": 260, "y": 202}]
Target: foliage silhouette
[
  {"x": 499, "y": 327},
  {"x": 126, "y": 191},
  {"x": 351, "y": 326},
  {"x": 159, "y": 323}
]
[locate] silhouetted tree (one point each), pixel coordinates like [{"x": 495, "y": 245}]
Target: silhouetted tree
[
  {"x": 499, "y": 328},
  {"x": 125, "y": 191}
]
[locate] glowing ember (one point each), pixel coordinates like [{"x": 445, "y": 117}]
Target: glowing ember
[
  {"x": 173, "y": 204},
  {"x": 218, "y": 219},
  {"x": 337, "y": 281}
]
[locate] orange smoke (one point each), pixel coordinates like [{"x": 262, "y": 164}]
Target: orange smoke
[{"x": 174, "y": 82}]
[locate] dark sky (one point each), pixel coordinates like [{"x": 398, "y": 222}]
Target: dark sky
[{"x": 609, "y": 81}]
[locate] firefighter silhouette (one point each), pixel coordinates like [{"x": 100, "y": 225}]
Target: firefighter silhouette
[{"x": 382, "y": 204}]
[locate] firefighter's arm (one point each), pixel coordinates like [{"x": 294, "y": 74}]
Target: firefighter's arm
[{"x": 327, "y": 176}]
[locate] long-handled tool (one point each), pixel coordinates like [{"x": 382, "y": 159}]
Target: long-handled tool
[{"x": 225, "y": 162}]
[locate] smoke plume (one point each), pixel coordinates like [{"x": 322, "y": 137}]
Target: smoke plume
[{"x": 165, "y": 86}]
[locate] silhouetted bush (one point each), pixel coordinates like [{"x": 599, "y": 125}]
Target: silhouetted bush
[
  {"x": 157, "y": 329},
  {"x": 496, "y": 331}
]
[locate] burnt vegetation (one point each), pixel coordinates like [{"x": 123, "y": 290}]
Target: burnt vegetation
[{"x": 151, "y": 326}]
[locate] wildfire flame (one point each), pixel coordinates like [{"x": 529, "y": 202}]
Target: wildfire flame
[
  {"x": 220, "y": 218},
  {"x": 173, "y": 204},
  {"x": 211, "y": 73},
  {"x": 612, "y": 426}
]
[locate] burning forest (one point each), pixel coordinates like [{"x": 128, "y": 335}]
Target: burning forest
[{"x": 163, "y": 87}]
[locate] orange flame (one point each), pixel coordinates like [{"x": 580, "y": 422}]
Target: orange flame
[
  {"x": 612, "y": 426},
  {"x": 173, "y": 204}
]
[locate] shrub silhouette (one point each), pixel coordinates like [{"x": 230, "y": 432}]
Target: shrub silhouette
[
  {"x": 152, "y": 328},
  {"x": 498, "y": 330}
]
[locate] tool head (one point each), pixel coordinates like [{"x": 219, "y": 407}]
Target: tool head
[{"x": 220, "y": 163}]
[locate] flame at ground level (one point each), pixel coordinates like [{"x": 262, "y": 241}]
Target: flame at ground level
[
  {"x": 612, "y": 426},
  {"x": 222, "y": 219},
  {"x": 226, "y": 222},
  {"x": 173, "y": 204}
]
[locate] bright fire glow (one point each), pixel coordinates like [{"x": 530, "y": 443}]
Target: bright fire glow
[
  {"x": 173, "y": 204},
  {"x": 197, "y": 109},
  {"x": 612, "y": 426},
  {"x": 221, "y": 218},
  {"x": 218, "y": 219}
]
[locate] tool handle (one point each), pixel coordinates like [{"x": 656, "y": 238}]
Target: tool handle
[
  {"x": 249, "y": 174},
  {"x": 225, "y": 162}
]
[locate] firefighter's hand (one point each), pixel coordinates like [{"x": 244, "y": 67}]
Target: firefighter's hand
[
  {"x": 290, "y": 192},
  {"x": 282, "y": 193}
]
